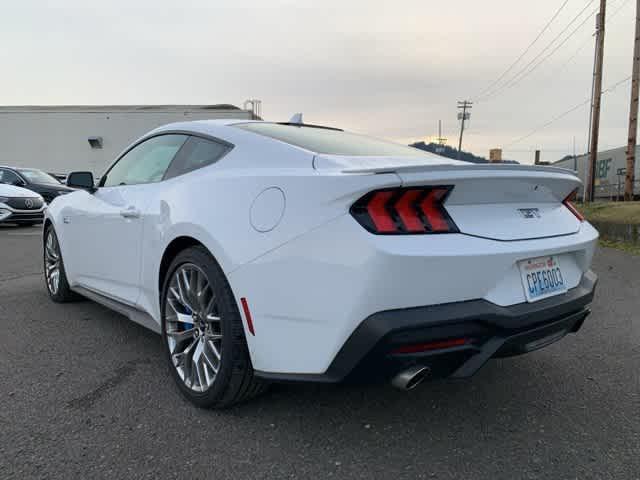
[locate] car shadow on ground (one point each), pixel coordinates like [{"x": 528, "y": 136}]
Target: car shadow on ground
[{"x": 501, "y": 386}]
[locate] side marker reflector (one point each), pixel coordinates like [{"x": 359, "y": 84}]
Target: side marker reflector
[
  {"x": 247, "y": 315},
  {"x": 426, "y": 347}
]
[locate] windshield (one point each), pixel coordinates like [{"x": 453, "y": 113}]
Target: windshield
[
  {"x": 38, "y": 176},
  {"x": 332, "y": 142}
]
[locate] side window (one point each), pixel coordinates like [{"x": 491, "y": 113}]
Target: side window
[
  {"x": 197, "y": 153},
  {"x": 9, "y": 178},
  {"x": 145, "y": 163}
]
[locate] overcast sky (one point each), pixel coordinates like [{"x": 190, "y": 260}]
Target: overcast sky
[{"x": 387, "y": 68}]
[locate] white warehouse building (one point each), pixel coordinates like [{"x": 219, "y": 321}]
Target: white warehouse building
[{"x": 61, "y": 139}]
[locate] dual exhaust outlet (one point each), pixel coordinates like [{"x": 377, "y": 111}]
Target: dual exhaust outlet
[{"x": 411, "y": 377}]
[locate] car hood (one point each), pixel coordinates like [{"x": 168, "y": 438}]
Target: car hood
[
  {"x": 53, "y": 188},
  {"x": 16, "y": 192}
]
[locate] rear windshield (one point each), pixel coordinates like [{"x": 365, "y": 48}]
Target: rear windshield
[
  {"x": 331, "y": 142},
  {"x": 38, "y": 176}
]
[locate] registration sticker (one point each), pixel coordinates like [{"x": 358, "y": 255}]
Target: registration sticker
[{"x": 542, "y": 278}]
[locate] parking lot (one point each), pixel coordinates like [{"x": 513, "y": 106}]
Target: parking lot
[{"x": 86, "y": 394}]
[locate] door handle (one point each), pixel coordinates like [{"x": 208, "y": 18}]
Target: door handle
[{"x": 130, "y": 212}]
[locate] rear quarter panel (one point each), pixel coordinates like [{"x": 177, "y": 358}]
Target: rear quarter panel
[{"x": 213, "y": 204}]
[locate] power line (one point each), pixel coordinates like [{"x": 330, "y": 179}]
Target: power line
[
  {"x": 564, "y": 114},
  {"x": 519, "y": 75},
  {"x": 581, "y": 47},
  {"x": 565, "y": 41},
  {"x": 555, "y": 119},
  {"x": 617, "y": 11},
  {"x": 567, "y": 38},
  {"x": 526, "y": 50},
  {"x": 574, "y": 55},
  {"x": 588, "y": 39},
  {"x": 544, "y": 59}
]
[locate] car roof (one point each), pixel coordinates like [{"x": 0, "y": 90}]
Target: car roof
[
  {"x": 19, "y": 169},
  {"x": 11, "y": 167},
  {"x": 203, "y": 126},
  {"x": 213, "y": 127}
]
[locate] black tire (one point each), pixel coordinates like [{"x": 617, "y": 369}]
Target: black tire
[
  {"x": 235, "y": 381},
  {"x": 64, "y": 294}
]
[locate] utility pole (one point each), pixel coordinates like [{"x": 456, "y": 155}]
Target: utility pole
[
  {"x": 464, "y": 115},
  {"x": 597, "y": 97},
  {"x": 440, "y": 140},
  {"x": 633, "y": 113}
]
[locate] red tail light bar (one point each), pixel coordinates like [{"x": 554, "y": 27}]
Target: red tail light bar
[
  {"x": 572, "y": 208},
  {"x": 405, "y": 211},
  {"x": 426, "y": 347}
]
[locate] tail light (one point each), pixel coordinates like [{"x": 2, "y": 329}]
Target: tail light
[
  {"x": 403, "y": 211},
  {"x": 567, "y": 202}
]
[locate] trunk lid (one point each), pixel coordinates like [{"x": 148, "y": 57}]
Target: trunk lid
[{"x": 497, "y": 201}]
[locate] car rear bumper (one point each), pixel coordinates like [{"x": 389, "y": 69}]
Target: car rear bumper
[
  {"x": 488, "y": 330},
  {"x": 310, "y": 295}
]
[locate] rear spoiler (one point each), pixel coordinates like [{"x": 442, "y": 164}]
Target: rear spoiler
[{"x": 501, "y": 169}]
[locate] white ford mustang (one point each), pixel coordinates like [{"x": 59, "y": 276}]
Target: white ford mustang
[{"x": 276, "y": 251}]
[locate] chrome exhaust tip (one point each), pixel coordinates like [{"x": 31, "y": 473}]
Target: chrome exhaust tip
[{"x": 411, "y": 377}]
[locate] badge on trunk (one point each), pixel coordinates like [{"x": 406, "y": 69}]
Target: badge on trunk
[{"x": 529, "y": 212}]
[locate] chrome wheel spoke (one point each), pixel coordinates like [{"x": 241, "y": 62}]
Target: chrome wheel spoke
[
  {"x": 214, "y": 349},
  {"x": 52, "y": 263},
  {"x": 208, "y": 360},
  {"x": 184, "y": 318},
  {"x": 183, "y": 357},
  {"x": 197, "y": 363},
  {"x": 182, "y": 336},
  {"x": 183, "y": 289},
  {"x": 193, "y": 327},
  {"x": 200, "y": 289}
]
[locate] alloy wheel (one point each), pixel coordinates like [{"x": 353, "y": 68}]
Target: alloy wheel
[
  {"x": 193, "y": 327},
  {"x": 52, "y": 262}
]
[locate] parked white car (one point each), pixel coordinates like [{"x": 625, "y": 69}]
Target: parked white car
[
  {"x": 265, "y": 251},
  {"x": 21, "y": 206}
]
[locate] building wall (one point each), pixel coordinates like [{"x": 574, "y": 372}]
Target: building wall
[
  {"x": 56, "y": 139},
  {"x": 607, "y": 182}
]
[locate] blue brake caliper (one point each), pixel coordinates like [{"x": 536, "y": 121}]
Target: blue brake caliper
[{"x": 187, "y": 326}]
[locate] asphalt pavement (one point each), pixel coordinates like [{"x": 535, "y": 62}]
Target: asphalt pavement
[{"x": 85, "y": 393}]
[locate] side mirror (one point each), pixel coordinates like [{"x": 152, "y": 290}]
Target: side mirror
[{"x": 82, "y": 180}]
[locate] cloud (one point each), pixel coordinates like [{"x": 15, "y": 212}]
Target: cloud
[{"x": 391, "y": 69}]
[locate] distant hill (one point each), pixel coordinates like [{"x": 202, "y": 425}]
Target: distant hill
[{"x": 453, "y": 153}]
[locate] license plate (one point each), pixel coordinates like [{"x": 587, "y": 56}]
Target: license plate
[{"x": 542, "y": 278}]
